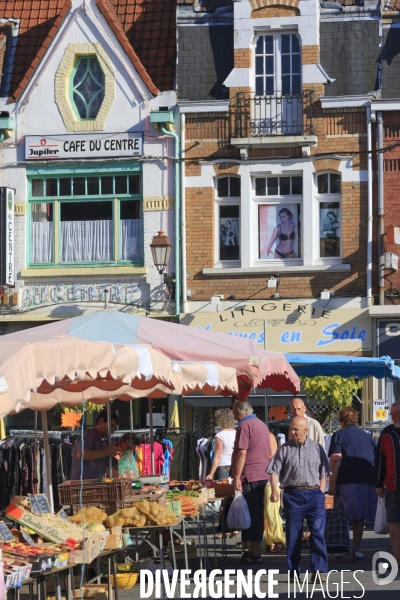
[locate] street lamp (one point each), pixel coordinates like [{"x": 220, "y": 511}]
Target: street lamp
[{"x": 161, "y": 250}]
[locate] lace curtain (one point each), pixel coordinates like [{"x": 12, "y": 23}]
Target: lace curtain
[
  {"x": 86, "y": 241},
  {"x": 131, "y": 239},
  {"x": 42, "y": 242}
]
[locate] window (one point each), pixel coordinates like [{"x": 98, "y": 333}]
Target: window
[
  {"x": 277, "y": 107},
  {"x": 228, "y": 219},
  {"x": 277, "y": 64},
  {"x": 279, "y": 201},
  {"x": 86, "y": 219},
  {"x": 329, "y": 200},
  {"x": 87, "y": 87}
]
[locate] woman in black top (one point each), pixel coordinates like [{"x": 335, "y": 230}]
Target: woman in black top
[
  {"x": 351, "y": 461},
  {"x": 285, "y": 233}
]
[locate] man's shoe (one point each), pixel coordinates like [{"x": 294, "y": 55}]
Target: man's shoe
[
  {"x": 317, "y": 577},
  {"x": 292, "y": 578}
]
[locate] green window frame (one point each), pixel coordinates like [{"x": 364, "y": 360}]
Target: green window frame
[
  {"x": 85, "y": 218},
  {"x": 87, "y": 87}
]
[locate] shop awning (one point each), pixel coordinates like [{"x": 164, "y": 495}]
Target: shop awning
[{"x": 310, "y": 365}]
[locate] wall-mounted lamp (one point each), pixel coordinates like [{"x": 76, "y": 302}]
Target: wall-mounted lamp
[
  {"x": 161, "y": 251},
  {"x": 327, "y": 295},
  {"x": 272, "y": 282}
]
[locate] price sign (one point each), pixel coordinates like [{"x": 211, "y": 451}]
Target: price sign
[
  {"x": 27, "y": 537},
  {"x": 43, "y": 503},
  {"x": 34, "y": 504},
  {"x": 380, "y": 410},
  {"x": 5, "y": 533},
  {"x": 63, "y": 515}
]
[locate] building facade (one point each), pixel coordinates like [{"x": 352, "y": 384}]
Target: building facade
[{"x": 91, "y": 175}]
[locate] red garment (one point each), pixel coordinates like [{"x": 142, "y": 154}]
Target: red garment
[
  {"x": 158, "y": 458},
  {"x": 252, "y": 435}
]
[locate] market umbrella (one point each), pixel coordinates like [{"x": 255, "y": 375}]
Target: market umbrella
[
  {"x": 40, "y": 374},
  {"x": 254, "y": 367}
]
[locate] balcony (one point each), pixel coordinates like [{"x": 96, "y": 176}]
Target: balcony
[{"x": 282, "y": 120}]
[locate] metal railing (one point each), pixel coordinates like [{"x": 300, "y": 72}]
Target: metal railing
[{"x": 278, "y": 114}]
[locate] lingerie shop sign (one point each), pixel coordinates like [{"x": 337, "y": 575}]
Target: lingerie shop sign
[
  {"x": 291, "y": 326},
  {"x": 32, "y": 296},
  {"x": 91, "y": 145}
]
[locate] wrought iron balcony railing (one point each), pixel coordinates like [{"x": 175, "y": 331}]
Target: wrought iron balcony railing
[{"x": 275, "y": 115}]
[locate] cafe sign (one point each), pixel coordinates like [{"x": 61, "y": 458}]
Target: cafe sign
[
  {"x": 91, "y": 145},
  {"x": 291, "y": 326}
]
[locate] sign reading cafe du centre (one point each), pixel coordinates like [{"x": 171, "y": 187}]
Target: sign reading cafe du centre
[{"x": 89, "y": 145}]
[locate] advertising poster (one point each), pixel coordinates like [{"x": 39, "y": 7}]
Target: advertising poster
[{"x": 279, "y": 231}]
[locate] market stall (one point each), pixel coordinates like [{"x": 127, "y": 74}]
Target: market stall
[{"x": 107, "y": 355}]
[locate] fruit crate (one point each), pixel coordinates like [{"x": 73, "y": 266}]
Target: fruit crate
[
  {"x": 128, "y": 502},
  {"x": 94, "y": 492}
]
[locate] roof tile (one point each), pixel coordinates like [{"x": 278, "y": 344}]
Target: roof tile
[
  {"x": 145, "y": 23},
  {"x": 145, "y": 28},
  {"x": 38, "y": 20}
]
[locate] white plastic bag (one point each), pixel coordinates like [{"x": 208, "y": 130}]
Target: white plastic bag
[
  {"x": 238, "y": 516},
  {"x": 380, "y": 526}
]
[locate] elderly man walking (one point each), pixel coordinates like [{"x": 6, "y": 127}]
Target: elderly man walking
[
  {"x": 315, "y": 432},
  {"x": 301, "y": 466},
  {"x": 252, "y": 452}
]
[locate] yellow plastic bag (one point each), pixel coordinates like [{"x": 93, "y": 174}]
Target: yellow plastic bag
[{"x": 273, "y": 530}]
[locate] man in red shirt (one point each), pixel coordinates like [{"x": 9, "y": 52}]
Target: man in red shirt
[
  {"x": 387, "y": 475},
  {"x": 252, "y": 452}
]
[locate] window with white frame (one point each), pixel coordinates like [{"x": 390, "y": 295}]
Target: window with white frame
[
  {"x": 85, "y": 219},
  {"x": 279, "y": 202},
  {"x": 277, "y": 64},
  {"x": 329, "y": 188},
  {"x": 277, "y": 107},
  {"x": 228, "y": 219}
]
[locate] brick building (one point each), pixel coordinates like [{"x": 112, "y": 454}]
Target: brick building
[{"x": 287, "y": 128}]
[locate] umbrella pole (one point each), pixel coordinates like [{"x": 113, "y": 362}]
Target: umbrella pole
[
  {"x": 47, "y": 459},
  {"x": 109, "y": 437},
  {"x": 131, "y": 414},
  {"x": 151, "y": 434}
]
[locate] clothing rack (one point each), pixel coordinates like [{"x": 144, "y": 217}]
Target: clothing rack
[{"x": 31, "y": 433}]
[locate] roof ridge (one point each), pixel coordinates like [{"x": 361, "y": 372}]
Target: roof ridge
[{"x": 107, "y": 10}]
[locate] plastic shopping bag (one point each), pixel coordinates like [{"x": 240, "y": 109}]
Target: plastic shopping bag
[
  {"x": 272, "y": 520},
  {"x": 380, "y": 526},
  {"x": 238, "y": 515},
  {"x": 127, "y": 466}
]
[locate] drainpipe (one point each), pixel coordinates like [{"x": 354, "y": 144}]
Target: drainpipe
[
  {"x": 370, "y": 208},
  {"x": 183, "y": 209},
  {"x": 174, "y": 135},
  {"x": 381, "y": 211}
]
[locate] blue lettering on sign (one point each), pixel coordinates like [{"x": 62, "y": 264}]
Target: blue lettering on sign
[
  {"x": 260, "y": 339},
  {"x": 292, "y": 338},
  {"x": 330, "y": 331}
]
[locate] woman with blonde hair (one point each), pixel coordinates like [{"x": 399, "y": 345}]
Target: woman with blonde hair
[
  {"x": 223, "y": 448},
  {"x": 223, "y": 444}
]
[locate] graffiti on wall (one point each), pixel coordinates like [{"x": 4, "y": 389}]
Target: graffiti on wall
[{"x": 40, "y": 295}]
